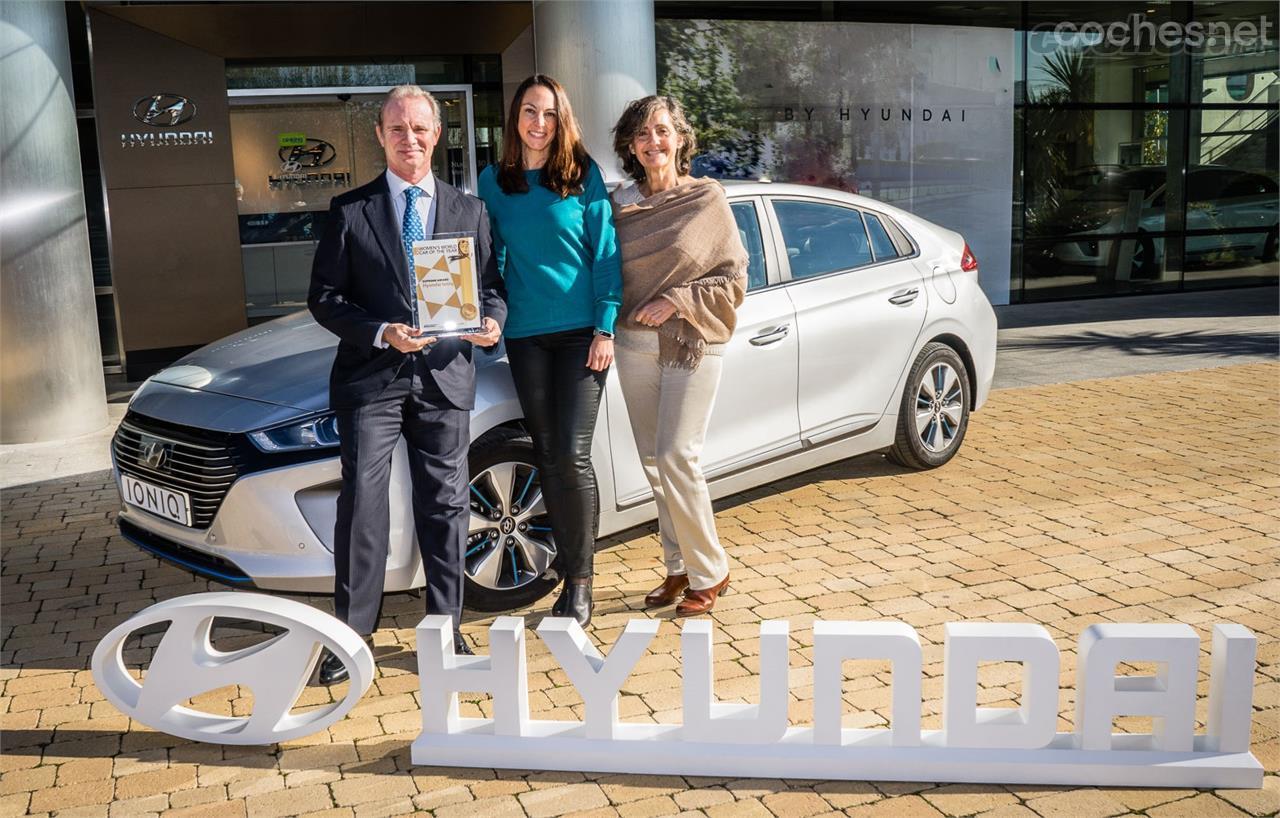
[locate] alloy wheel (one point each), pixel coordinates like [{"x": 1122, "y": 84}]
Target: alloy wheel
[
  {"x": 939, "y": 407},
  {"x": 509, "y": 543}
]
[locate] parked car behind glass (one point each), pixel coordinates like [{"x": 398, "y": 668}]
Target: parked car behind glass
[
  {"x": 863, "y": 330},
  {"x": 1219, "y": 199}
]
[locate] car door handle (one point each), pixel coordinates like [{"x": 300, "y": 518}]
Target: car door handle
[
  {"x": 905, "y": 296},
  {"x": 771, "y": 336}
]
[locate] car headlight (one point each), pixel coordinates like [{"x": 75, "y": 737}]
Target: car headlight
[{"x": 317, "y": 433}]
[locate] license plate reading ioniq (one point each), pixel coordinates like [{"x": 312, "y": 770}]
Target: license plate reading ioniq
[{"x": 172, "y": 505}]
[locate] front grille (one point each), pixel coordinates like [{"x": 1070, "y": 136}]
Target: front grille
[{"x": 196, "y": 462}]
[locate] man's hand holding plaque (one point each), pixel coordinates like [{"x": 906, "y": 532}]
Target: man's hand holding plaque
[
  {"x": 407, "y": 339},
  {"x": 492, "y": 332}
]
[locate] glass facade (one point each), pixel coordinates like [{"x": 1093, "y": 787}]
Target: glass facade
[
  {"x": 1145, "y": 134},
  {"x": 483, "y": 72},
  {"x": 1147, "y": 148},
  {"x": 918, "y": 116}
]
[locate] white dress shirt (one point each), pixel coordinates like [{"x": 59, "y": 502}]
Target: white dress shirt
[{"x": 426, "y": 206}]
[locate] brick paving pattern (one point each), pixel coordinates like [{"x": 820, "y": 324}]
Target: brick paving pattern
[{"x": 1140, "y": 499}]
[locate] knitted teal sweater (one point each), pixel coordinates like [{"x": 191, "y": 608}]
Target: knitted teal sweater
[{"x": 558, "y": 257}]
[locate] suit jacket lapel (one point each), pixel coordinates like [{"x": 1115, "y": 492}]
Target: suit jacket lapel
[
  {"x": 447, "y": 201},
  {"x": 381, "y": 214}
]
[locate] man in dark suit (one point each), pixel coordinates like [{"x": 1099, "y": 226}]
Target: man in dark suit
[{"x": 389, "y": 379}]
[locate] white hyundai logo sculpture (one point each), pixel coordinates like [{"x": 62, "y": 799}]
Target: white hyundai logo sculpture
[{"x": 186, "y": 664}]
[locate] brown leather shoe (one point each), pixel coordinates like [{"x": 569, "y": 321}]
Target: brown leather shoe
[
  {"x": 699, "y": 602},
  {"x": 668, "y": 592}
]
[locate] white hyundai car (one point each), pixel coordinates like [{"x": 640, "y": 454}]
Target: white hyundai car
[{"x": 863, "y": 330}]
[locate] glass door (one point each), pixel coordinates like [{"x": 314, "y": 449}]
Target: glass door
[{"x": 294, "y": 150}]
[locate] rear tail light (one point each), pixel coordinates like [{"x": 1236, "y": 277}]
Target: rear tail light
[{"x": 968, "y": 262}]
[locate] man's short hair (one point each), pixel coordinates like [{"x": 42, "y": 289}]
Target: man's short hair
[{"x": 410, "y": 92}]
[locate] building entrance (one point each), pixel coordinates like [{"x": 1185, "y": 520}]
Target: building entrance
[{"x": 294, "y": 149}]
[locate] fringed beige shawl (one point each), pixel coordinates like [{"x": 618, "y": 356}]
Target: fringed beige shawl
[{"x": 682, "y": 245}]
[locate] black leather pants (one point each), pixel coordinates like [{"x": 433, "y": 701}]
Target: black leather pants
[{"x": 560, "y": 398}]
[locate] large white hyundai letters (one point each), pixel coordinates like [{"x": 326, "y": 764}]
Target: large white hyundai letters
[{"x": 977, "y": 744}]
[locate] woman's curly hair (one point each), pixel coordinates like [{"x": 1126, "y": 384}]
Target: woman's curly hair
[{"x": 636, "y": 116}]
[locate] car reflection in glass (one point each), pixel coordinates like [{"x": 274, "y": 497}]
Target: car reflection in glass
[{"x": 1222, "y": 200}]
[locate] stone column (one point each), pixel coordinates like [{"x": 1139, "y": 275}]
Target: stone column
[
  {"x": 602, "y": 52},
  {"x": 51, "y": 383}
]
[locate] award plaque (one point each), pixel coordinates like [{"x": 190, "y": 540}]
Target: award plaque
[{"x": 447, "y": 286}]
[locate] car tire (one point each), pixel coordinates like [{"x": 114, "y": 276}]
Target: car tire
[
  {"x": 934, "y": 414},
  {"x": 1269, "y": 246},
  {"x": 503, "y": 476},
  {"x": 1144, "y": 259}
]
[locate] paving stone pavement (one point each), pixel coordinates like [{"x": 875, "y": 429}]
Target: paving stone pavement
[{"x": 1137, "y": 499}]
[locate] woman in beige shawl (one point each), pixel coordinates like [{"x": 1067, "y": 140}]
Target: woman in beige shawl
[{"x": 683, "y": 277}]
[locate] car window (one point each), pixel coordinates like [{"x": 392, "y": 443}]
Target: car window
[
  {"x": 744, "y": 213},
  {"x": 821, "y": 238},
  {"x": 1115, "y": 188},
  {"x": 901, "y": 240},
  {"x": 880, "y": 241},
  {"x": 1249, "y": 184},
  {"x": 1205, "y": 186}
]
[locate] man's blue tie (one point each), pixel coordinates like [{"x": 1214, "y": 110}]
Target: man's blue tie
[{"x": 412, "y": 231}]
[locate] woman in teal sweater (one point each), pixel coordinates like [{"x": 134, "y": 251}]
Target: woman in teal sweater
[{"x": 553, "y": 234}]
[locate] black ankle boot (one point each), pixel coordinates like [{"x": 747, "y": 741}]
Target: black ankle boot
[
  {"x": 332, "y": 671},
  {"x": 559, "y": 608},
  {"x": 577, "y": 599}
]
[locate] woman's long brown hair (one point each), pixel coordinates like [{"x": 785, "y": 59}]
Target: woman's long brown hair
[{"x": 567, "y": 164}]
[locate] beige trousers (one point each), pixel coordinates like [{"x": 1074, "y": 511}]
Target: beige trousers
[{"x": 669, "y": 409}]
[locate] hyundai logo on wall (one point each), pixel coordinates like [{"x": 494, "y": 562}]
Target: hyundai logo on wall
[
  {"x": 315, "y": 154},
  {"x": 186, "y": 664},
  {"x": 164, "y": 110}
]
